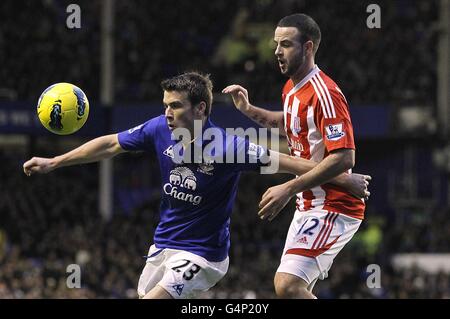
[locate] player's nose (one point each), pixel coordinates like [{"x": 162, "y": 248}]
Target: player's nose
[
  {"x": 169, "y": 113},
  {"x": 278, "y": 51}
]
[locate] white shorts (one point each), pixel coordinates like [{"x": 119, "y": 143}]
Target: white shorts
[
  {"x": 314, "y": 239},
  {"x": 182, "y": 274}
]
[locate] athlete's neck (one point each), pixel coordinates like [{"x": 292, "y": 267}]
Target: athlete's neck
[
  {"x": 302, "y": 72},
  {"x": 193, "y": 132}
]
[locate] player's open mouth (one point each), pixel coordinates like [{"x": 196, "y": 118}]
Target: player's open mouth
[{"x": 281, "y": 63}]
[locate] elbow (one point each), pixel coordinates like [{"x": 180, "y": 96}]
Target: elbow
[
  {"x": 349, "y": 160},
  {"x": 350, "y": 163},
  {"x": 346, "y": 159}
]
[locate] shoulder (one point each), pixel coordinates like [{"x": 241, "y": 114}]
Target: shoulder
[
  {"x": 159, "y": 120},
  {"x": 325, "y": 89},
  {"x": 148, "y": 127},
  {"x": 155, "y": 123},
  {"x": 327, "y": 83}
]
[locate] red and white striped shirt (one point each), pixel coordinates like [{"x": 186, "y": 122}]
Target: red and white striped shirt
[{"x": 317, "y": 121}]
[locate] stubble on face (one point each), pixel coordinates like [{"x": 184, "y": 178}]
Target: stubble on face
[{"x": 289, "y": 51}]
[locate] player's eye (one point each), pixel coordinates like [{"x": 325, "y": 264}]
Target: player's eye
[{"x": 176, "y": 105}]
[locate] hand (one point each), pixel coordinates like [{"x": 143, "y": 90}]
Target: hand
[
  {"x": 273, "y": 201},
  {"x": 38, "y": 165},
  {"x": 357, "y": 185},
  {"x": 239, "y": 95}
]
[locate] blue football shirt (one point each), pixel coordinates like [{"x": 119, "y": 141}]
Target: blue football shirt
[{"x": 196, "y": 197}]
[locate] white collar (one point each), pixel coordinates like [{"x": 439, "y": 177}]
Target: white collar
[{"x": 305, "y": 80}]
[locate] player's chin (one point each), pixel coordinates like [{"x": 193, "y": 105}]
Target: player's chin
[{"x": 283, "y": 69}]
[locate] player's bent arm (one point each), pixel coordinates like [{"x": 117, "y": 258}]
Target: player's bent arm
[
  {"x": 291, "y": 164},
  {"x": 276, "y": 197},
  {"x": 300, "y": 166},
  {"x": 336, "y": 163},
  {"x": 95, "y": 150},
  {"x": 265, "y": 118}
]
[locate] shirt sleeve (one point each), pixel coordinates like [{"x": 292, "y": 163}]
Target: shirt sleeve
[
  {"x": 139, "y": 138},
  {"x": 249, "y": 156},
  {"x": 333, "y": 119}
]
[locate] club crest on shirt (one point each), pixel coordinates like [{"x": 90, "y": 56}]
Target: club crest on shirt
[
  {"x": 206, "y": 167},
  {"x": 334, "y": 131},
  {"x": 296, "y": 127}
]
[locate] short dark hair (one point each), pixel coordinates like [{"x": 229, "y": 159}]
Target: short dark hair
[
  {"x": 308, "y": 28},
  {"x": 198, "y": 87}
]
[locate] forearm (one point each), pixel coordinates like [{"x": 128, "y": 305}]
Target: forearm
[
  {"x": 300, "y": 166},
  {"x": 265, "y": 118},
  {"x": 95, "y": 150},
  {"x": 329, "y": 169}
]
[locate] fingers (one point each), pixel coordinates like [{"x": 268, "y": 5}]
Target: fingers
[
  {"x": 235, "y": 89},
  {"x": 270, "y": 211},
  {"x": 367, "y": 178},
  {"x": 266, "y": 193},
  {"x": 265, "y": 205},
  {"x": 266, "y": 211},
  {"x": 30, "y": 171},
  {"x": 264, "y": 201},
  {"x": 242, "y": 95},
  {"x": 227, "y": 89},
  {"x": 274, "y": 214},
  {"x": 28, "y": 166},
  {"x": 34, "y": 165},
  {"x": 262, "y": 213},
  {"x": 26, "y": 171},
  {"x": 269, "y": 207}
]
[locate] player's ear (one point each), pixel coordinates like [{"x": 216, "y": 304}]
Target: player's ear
[
  {"x": 201, "y": 108},
  {"x": 309, "y": 47}
]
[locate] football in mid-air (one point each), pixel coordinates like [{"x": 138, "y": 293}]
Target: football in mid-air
[{"x": 63, "y": 108}]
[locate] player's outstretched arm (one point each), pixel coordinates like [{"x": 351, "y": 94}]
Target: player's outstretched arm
[
  {"x": 355, "y": 183},
  {"x": 276, "y": 197},
  {"x": 265, "y": 118},
  {"x": 95, "y": 150}
]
